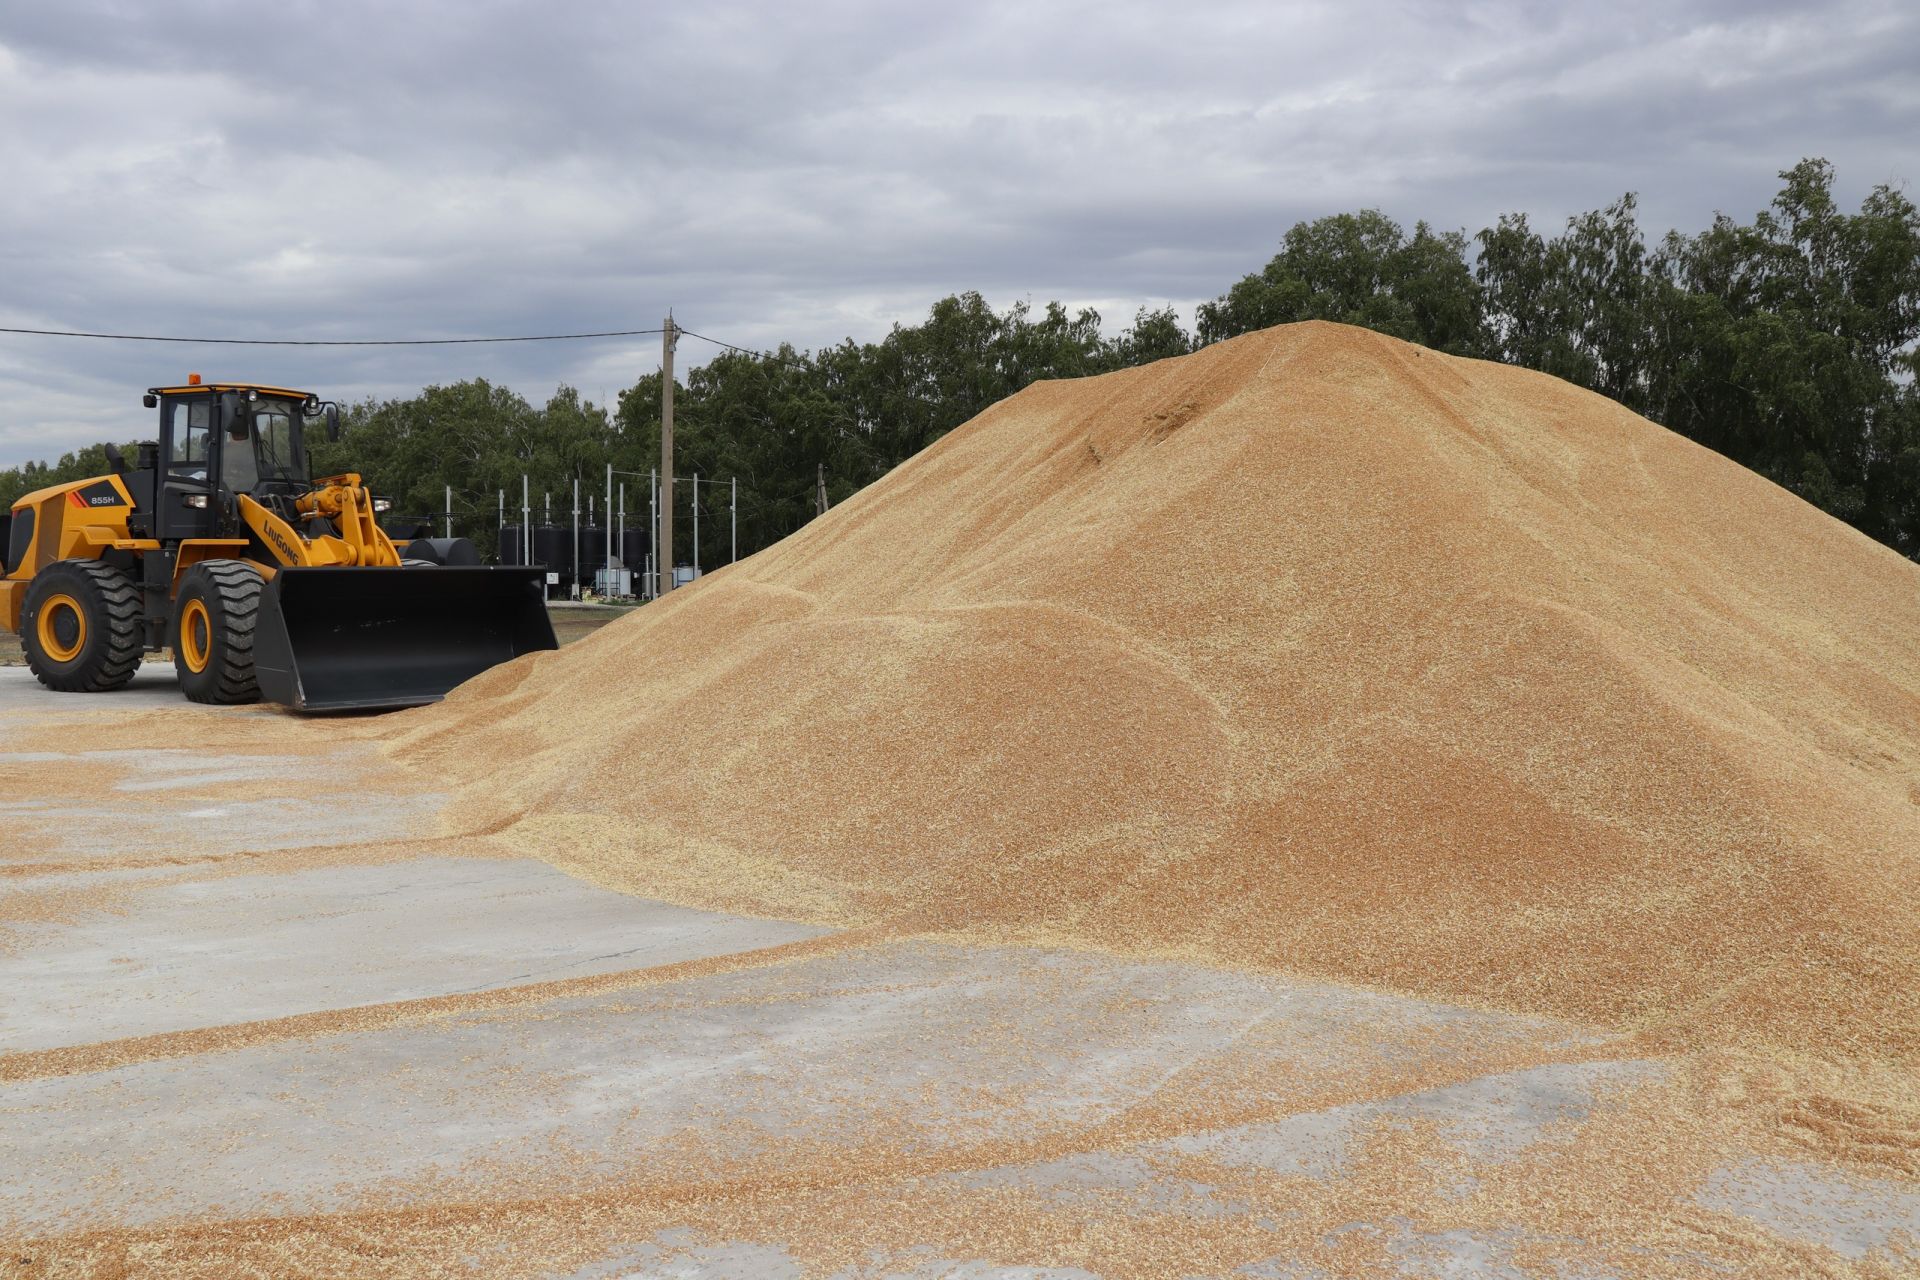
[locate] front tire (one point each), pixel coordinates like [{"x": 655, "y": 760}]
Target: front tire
[
  {"x": 81, "y": 627},
  {"x": 213, "y": 625}
]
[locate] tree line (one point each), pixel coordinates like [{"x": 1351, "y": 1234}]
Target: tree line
[{"x": 1786, "y": 343}]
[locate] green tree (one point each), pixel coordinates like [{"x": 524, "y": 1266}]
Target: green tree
[
  {"x": 1786, "y": 344},
  {"x": 1360, "y": 269},
  {"x": 1153, "y": 335},
  {"x": 478, "y": 438},
  {"x": 1574, "y": 306}
]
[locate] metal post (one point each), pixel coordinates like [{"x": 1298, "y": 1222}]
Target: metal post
[
  {"x": 733, "y": 513},
  {"x": 573, "y": 570},
  {"x": 609, "y": 515},
  {"x": 653, "y": 533},
  {"x": 623, "y": 537},
  {"x": 696, "y": 524},
  {"x": 526, "y": 521},
  {"x": 449, "y": 511},
  {"x": 663, "y": 549}
]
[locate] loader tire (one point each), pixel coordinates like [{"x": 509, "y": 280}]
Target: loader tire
[
  {"x": 213, "y": 625},
  {"x": 80, "y": 627}
]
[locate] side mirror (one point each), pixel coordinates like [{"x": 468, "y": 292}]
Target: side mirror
[
  {"x": 239, "y": 417},
  {"x": 333, "y": 421},
  {"x": 236, "y": 413},
  {"x": 150, "y": 400}
]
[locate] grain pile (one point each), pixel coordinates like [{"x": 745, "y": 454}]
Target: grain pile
[{"x": 1312, "y": 651}]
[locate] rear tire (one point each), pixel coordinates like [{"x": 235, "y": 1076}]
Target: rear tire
[
  {"x": 80, "y": 627},
  {"x": 213, "y": 624}
]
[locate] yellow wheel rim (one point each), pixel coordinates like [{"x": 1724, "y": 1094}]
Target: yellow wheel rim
[
  {"x": 195, "y": 628},
  {"x": 63, "y": 628}
]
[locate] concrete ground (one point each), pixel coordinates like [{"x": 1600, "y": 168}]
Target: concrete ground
[
  {"x": 224, "y": 1032},
  {"x": 153, "y": 685}
]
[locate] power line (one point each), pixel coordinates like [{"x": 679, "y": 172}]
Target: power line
[
  {"x": 333, "y": 342},
  {"x": 798, "y": 363},
  {"x": 792, "y": 362}
]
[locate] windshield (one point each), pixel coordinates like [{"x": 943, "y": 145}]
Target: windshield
[{"x": 277, "y": 440}]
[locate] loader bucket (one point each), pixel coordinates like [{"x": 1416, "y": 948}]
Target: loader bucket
[{"x": 344, "y": 639}]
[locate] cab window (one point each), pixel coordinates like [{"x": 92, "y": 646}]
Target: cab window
[
  {"x": 192, "y": 425},
  {"x": 274, "y": 425}
]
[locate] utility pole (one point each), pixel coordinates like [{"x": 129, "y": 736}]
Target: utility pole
[
  {"x": 663, "y": 550},
  {"x": 820, "y": 493}
]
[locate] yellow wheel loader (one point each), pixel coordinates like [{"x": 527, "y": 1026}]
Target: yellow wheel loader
[{"x": 263, "y": 582}]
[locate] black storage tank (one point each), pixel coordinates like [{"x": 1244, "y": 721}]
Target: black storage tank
[
  {"x": 406, "y": 528},
  {"x": 553, "y": 547},
  {"x": 513, "y": 548},
  {"x": 633, "y": 549},
  {"x": 593, "y": 553}
]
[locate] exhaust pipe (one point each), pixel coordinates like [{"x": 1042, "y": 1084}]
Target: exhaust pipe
[{"x": 352, "y": 639}]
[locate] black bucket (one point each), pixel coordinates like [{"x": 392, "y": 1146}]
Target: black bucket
[{"x": 341, "y": 639}]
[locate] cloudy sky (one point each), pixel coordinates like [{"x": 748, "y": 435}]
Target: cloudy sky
[{"x": 815, "y": 171}]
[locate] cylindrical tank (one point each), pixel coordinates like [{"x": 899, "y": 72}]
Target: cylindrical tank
[
  {"x": 593, "y": 552},
  {"x": 633, "y": 549},
  {"x": 406, "y": 527},
  {"x": 512, "y": 545},
  {"x": 553, "y": 547},
  {"x": 684, "y": 574}
]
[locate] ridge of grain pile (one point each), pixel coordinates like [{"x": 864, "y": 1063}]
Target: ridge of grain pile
[{"x": 1313, "y": 650}]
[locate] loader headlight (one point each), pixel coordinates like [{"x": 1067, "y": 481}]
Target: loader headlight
[
  {"x": 197, "y": 500},
  {"x": 383, "y": 504}
]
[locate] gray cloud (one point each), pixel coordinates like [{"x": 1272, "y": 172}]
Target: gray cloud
[{"x": 821, "y": 171}]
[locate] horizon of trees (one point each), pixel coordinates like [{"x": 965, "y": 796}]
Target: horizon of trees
[{"x": 1786, "y": 343}]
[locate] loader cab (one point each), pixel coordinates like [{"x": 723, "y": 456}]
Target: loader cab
[{"x": 217, "y": 442}]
